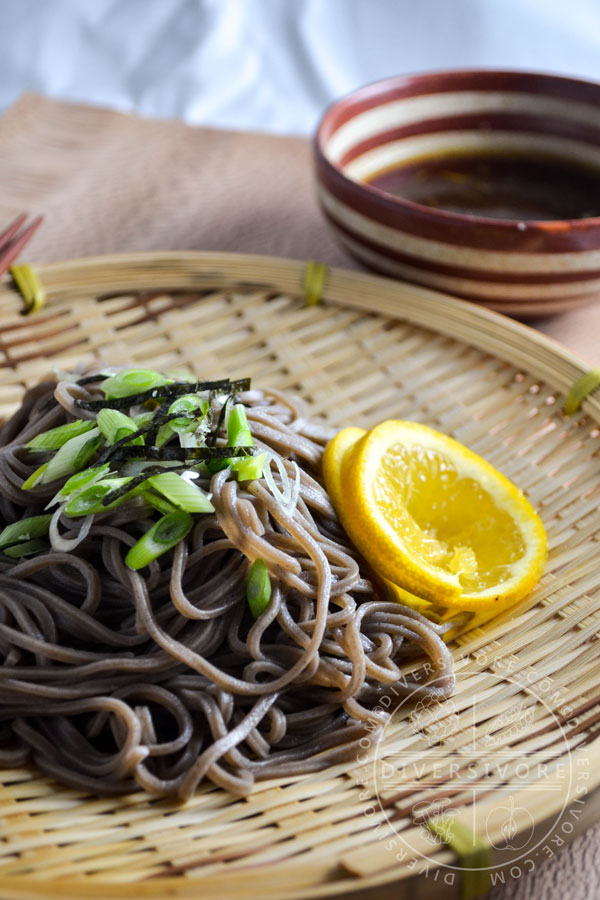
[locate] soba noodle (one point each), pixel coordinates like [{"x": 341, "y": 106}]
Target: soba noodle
[{"x": 113, "y": 679}]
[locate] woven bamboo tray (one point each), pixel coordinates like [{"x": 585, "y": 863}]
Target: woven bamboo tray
[{"x": 528, "y": 686}]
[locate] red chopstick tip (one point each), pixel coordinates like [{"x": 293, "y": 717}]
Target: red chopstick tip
[
  {"x": 12, "y": 229},
  {"x": 11, "y": 242}
]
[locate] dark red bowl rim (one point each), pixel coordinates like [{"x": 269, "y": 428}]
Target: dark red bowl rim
[{"x": 445, "y": 81}]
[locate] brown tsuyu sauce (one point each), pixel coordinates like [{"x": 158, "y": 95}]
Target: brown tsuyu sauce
[{"x": 499, "y": 185}]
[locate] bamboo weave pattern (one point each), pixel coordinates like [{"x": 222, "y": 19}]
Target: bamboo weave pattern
[{"x": 371, "y": 350}]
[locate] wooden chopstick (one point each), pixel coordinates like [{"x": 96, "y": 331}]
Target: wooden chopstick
[{"x": 12, "y": 241}]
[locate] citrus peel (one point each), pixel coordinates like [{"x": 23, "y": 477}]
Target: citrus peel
[{"x": 434, "y": 519}]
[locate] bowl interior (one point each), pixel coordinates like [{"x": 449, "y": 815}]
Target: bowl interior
[{"x": 398, "y": 121}]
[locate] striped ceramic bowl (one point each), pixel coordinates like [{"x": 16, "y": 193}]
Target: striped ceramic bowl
[{"x": 521, "y": 267}]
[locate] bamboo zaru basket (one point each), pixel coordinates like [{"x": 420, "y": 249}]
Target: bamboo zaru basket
[{"x": 509, "y": 759}]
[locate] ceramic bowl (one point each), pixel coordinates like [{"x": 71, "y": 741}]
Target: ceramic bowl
[{"x": 518, "y": 266}]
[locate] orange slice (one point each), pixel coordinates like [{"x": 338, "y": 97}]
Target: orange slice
[{"x": 433, "y": 517}]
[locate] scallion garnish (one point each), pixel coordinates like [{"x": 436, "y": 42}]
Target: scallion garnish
[
  {"x": 251, "y": 468},
  {"x": 77, "y": 483},
  {"x": 72, "y": 456},
  {"x": 157, "y": 501},
  {"x": 163, "y": 535},
  {"x": 238, "y": 435},
  {"x": 155, "y": 455},
  {"x": 81, "y": 479},
  {"x": 57, "y": 437},
  {"x": 25, "y": 530},
  {"x": 145, "y": 429},
  {"x": 238, "y": 430},
  {"x": 27, "y": 548},
  {"x": 132, "y": 381},
  {"x": 166, "y": 392},
  {"x": 142, "y": 419},
  {"x": 115, "y": 426},
  {"x": 217, "y": 465},
  {"x": 181, "y": 493},
  {"x": 258, "y": 588},
  {"x": 90, "y": 499},
  {"x": 164, "y": 433},
  {"x": 34, "y": 478},
  {"x": 135, "y": 482},
  {"x": 193, "y": 407}
]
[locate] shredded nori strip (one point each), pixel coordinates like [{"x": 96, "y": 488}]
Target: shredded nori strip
[
  {"x": 211, "y": 439},
  {"x": 166, "y": 392},
  {"x": 182, "y": 453},
  {"x": 161, "y": 416},
  {"x": 110, "y": 451},
  {"x": 90, "y": 379},
  {"x": 137, "y": 480},
  {"x": 188, "y": 456}
]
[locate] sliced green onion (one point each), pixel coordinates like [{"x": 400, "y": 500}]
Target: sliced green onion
[
  {"x": 73, "y": 455},
  {"x": 143, "y": 419},
  {"x": 89, "y": 500},
  {"x": 181, "y": 493},
  {"x": 217, "y": 465},
  {"x": 133, "y": 381},
  {"x": 238, "y": 430},
  {"x": 25, "y": 530},
  {"x": 146, "y": 432},
  {"x": 135, "y": 467},
  {"x": 193, "y": 439},
  {"x": 34, "y": 478},
  {"x": 157, "y": 502},
  {"x": 135, "y": 483},
  {"x": 189, "y": 404},
  {"x": 57, "y": 437},
  {"x": 160, "y": 419},
  {"x": 251, "y": 468},
  {"x": 115, "y": 426},
  {"x": 163, "y": 434},
  {"x": 258, "y": 588},
  {"x": 27, "y": 548},
  {"x": 81, "y": 479},
  {"x": 77, "y": 483},
  {"x": 163, "y": 535}
]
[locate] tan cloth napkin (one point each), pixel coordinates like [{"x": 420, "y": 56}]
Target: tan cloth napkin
[{"x": 108, "y": 182}]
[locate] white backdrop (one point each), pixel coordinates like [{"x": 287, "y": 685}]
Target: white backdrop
[{"x": 273, "y": 64}]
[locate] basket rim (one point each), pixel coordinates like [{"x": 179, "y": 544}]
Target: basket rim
[
  {"x": 492, "y": 331},
  {"x": 489, "y": 331}
]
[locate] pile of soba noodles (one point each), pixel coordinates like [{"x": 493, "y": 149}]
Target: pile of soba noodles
[{"x": 160, "y": 678}]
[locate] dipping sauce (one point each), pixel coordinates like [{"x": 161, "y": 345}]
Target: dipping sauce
[{"x": 501, "y": 185}]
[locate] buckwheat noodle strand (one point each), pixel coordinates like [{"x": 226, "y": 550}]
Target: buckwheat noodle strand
[{"x": 112, "y": 680}]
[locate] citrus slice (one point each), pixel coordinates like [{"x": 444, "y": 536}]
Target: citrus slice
[
  {"x": 333, "y": 459},
  {"x": 433, "y": 517}
]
